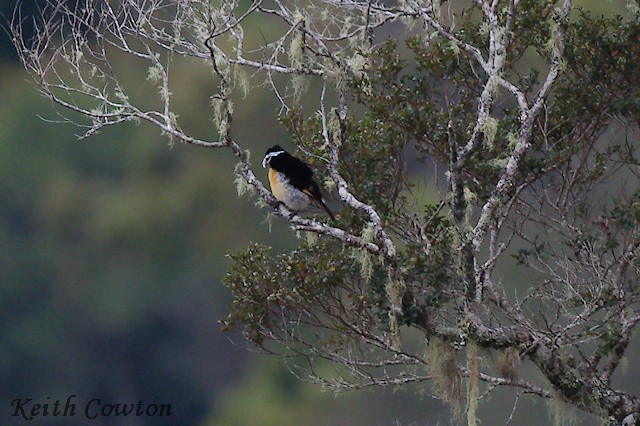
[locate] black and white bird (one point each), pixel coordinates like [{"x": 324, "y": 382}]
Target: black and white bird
[{"x": 292, "y": 181}]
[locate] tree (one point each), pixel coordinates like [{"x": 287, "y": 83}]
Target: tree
[{"x": 527, "y": 112}]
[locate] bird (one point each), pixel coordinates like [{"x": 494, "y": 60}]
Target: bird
[{"x": 291, "y": 180}]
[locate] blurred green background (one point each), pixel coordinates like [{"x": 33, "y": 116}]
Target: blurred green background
[{"x": 112, "y": 250}]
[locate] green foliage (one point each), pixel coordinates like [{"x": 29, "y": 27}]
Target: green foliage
[
  {"x": 602, "y": 53},
  {"x": 625, "y": 215},
  {"x": 321, "y": 278},
  {"x": 430, "y": 278},
  {"x": 609, "y": 339},
  {"x": 263, "y": 285},
  {"x": 319, "y": 281},
  {"x": 371, "y": 159},
  {"x": 525, "y": 255},
  {"x": 419, "y": 101},
  {"x": 269, "y": 290}
]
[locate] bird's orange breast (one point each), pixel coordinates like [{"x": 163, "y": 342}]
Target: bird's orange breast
[
  {"x": 286, "y": 193},
  {"x": 276, "y": 185}
]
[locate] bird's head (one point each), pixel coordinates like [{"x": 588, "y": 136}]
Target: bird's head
[{"x": 274, "y": 151}]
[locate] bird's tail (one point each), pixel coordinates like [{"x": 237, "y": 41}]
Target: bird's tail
[{"x": 324, "y": 206}]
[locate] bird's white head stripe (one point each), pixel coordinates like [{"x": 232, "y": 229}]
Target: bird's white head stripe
[{"x": 269, "y": 156}]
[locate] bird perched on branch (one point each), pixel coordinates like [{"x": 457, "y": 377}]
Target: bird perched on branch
[{"x": 292, "y": 181}]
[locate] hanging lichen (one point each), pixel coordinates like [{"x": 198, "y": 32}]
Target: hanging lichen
[
  {"x": 490, "y": 129},
  {"x": 362, "y": 256},
  {"x": 508, "y": 363},
  {"x": 469, "y": 198},
  {"x": 218, "y": 119},
  {"x": 472, "y": 384},
  {"x": 561, "y": 413},
  {"x": 311, "y": 238},
  {"x": 296, "y": 50},
  {"x": 242, "y": 186},
  {"x": 394, "y": 288},
  {"x": 154, "y": 73},
  {"x": 445, "y": 377},
  {"x": 241, "y": 79},
  {"x": 335, "y": 128}
]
